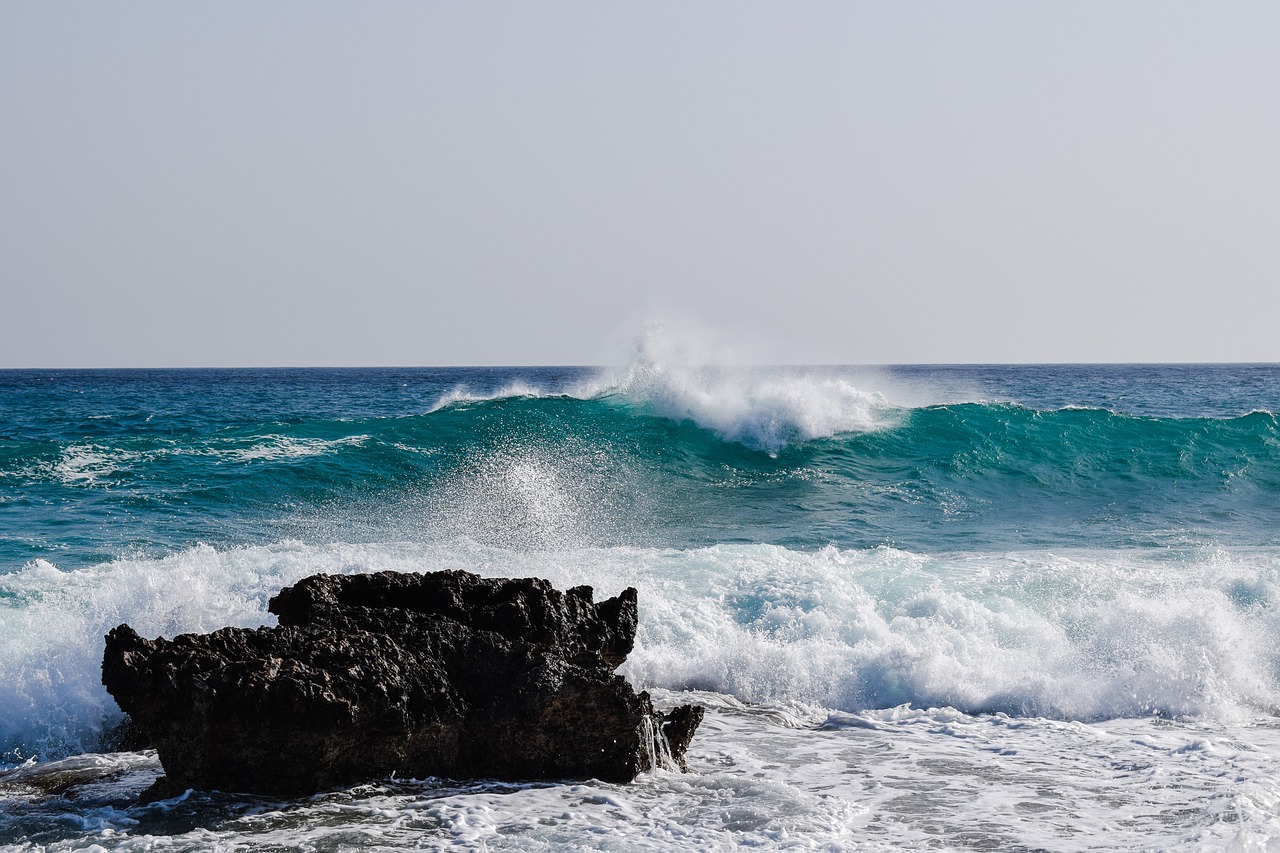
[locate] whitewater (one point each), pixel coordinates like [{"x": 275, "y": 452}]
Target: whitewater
[{"x": 948, "y": 607}]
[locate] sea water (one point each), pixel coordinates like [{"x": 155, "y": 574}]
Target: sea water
[{"x": 950, "y": 608}]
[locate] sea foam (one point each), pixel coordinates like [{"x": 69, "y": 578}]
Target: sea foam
[
  {"x": 1086, "y": 636},
  {"x": 674, "y": 375},
  {"x": 762, "y": 409}
]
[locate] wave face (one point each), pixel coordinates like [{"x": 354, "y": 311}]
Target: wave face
[{"x": 98, "y": 465}]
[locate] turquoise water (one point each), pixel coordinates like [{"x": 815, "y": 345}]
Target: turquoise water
[
  {"x": 94, "y": 465},
  {"x": 1077, "y": 562}
]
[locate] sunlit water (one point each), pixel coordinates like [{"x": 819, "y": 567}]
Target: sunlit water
[{"x": 992, "y": 608}]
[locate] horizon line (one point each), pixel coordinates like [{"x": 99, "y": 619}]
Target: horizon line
[{"x": 801, "y": 365}]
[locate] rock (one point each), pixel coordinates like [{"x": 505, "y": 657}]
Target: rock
[
  {"x": 678, "y": 728},
  {"x": 444, "y": 674},
  {"x": 124, "y": 736}
]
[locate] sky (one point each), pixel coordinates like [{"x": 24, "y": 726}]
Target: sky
[{"x": 396, "y": 183}]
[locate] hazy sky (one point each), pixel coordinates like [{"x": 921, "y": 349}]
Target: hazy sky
[{"x": 529, "y": 183}]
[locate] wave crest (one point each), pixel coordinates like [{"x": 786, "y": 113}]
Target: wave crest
[
  {"x": 674, "y": 377},
  {"x": 761, "y": 408}
]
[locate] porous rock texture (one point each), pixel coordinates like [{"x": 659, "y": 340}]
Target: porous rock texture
[{"x": 442, "y": 674}]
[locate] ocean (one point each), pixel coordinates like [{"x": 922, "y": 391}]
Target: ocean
[{"x": 1015, "y": 608}]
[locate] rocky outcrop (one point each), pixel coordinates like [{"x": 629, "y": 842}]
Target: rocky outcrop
[{"x": 444, "y": 674}]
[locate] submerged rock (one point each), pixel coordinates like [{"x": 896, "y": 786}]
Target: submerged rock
[{"x": 444, "y": 674}]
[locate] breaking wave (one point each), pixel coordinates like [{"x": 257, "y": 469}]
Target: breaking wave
[{"x": 1084, "y": 636}]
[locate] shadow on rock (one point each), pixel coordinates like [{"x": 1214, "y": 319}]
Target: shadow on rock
[{"x": 445, "y": 674}]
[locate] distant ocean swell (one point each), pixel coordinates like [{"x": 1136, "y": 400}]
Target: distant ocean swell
[
  {"x": 611, "y": 469},
  {"x": 973, "y": 439}
]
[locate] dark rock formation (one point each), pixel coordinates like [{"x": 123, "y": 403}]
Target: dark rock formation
[
  {"x": 444, "y": 674},
  {"x": 124, "y": 736}
]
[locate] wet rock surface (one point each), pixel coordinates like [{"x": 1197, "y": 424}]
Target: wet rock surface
[{"x": 444, "y": 674}]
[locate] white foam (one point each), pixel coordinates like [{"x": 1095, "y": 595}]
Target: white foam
[
  {"x": 756, "y": 407},
  {"x": 87, "y": 464},
  {"x": 462, "y": 394},
  {"x": 92, "y": 465},
  {"x": 677, "y": 375},
  {"x": 1083, "y": 637},
  {"x": 849, "y": 692},
  {"x": 674, "y": 375},
  {"x": 52, "y": 624},
  {"x": 273, "y": 447},
  {"x": 914, "y": 779},
  {"x": 1086, "y": 636}
]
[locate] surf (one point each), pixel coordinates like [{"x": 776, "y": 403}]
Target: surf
[{"x": 1088, "y": 635}]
